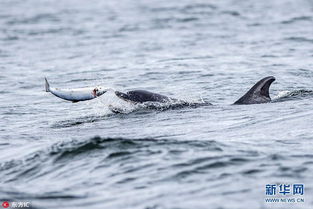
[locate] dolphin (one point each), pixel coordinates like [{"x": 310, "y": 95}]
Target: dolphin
[
  {"x": 259, "y": 93},
  {"x": 141, "y": 96},
  {"x": 153, "y": 101}
]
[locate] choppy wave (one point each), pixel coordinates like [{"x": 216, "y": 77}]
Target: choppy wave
[
  {"x": 136, "y": 163},
  {"x": 160, "y": 106},
  {"x": 33, "y": 165},
  {"x": 296, "y": 19},
  {"x": 76, "y": 121},
  {"x": 293, "y": 95},
  {"x": 300, "y": 39}
]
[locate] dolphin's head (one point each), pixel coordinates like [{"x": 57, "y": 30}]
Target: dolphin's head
[
  {"x": 259, "y": 93},
  {"x": 125, "y": 97}
]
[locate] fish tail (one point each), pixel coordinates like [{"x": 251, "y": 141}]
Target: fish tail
[{"x": 47, "y": 86}]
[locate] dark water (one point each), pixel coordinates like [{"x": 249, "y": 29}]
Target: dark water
[{"x": 56, "y": 154}]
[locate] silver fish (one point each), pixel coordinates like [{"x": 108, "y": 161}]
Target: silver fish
[{"x": 78, "y": 94}]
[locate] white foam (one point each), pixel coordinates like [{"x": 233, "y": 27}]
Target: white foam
[{"x": 282, "y": 94}]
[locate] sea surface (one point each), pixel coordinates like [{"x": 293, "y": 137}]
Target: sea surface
[{"x": 58, "y": 154}]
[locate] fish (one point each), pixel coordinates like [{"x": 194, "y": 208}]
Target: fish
[{"x": 76, "y": 94}]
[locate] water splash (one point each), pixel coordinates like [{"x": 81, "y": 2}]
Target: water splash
[{"x": 292, "y": 95}]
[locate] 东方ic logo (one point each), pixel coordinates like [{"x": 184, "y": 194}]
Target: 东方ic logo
[{"x": 5, "y": 204}]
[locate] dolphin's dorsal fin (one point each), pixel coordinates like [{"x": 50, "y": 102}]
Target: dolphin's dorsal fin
[{"x": 259, "y": 93}]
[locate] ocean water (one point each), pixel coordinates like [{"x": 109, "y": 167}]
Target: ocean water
[{"x": 57, "y": 154}]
